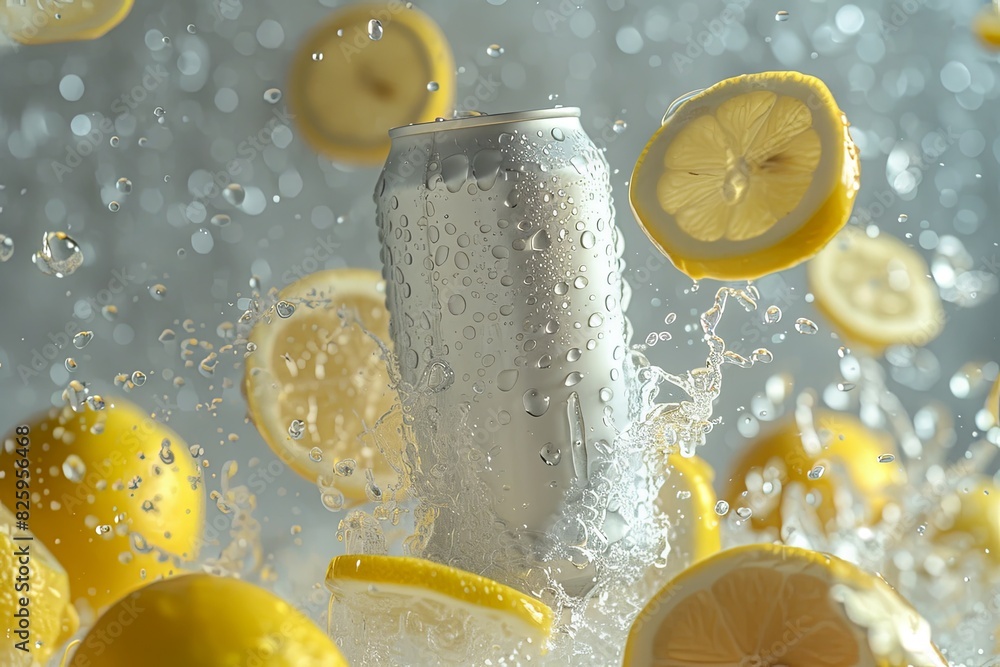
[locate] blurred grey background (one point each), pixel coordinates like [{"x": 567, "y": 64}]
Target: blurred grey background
[{"x": 920, "y": 92}]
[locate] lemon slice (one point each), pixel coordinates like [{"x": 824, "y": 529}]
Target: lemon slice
[
  {"x": 750, "y": 176},
  {"x": 116, "y": 497},
  {"x": 347, "y": 90},
  {"x": 688, "y": 500},
  {"x": 51, "y": 617},
  {"x": 51, "y": 21},
  {"x": 200, "y": 620},
  {"x": 427, "y": 610},
  {"x": 777, "y": 605},
  {"x": 986, "y": 26},
  {"x": 876, "y": 291},
  {"x": 316, "y": 381},
  {"x": 845, "y": 446},
  {"x": 993, "y": 402},
  {"x": 975, "y": 525}
]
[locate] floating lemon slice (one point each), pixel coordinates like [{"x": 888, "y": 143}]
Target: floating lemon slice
[
  {"x": 50, "y": 616},
  {"x": 116, "y": 497},
  {"x": 50, "y": 21},
  {"x": 993, "y": 402},
  {"x": 843, "y": 445},
  {"x": 776, "y": 605},
  {"x": 974, "y": 514},
  {"x": 876, "y": 291},
  {"x": 688, "y": 500},
  {"x": 426, "y": 605},
  {"x": 751, "y": 176},
  {"x": 368, "y": 68},
  {"x": 986, "y": 26},
  {"x": 316, "y": 382},
  {"x": 200, "y": 620}
]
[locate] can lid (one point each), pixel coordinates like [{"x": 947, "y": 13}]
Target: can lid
[{"x": 484, "y": 119}]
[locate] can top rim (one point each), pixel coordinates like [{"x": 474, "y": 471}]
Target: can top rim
[{"x": 480, "y": 121}]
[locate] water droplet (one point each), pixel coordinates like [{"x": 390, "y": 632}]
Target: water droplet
[
  {"x": 6, "y": 248},
  {"x": 317, "y": 56},
  {"x": 903, "y": 217},
  {"x": 845, "y": 386},
  {"x": 374, "y": 30},
  {"x": 886, "y": 458},
  {"x": 71, "y": 364},
  {"x": 96, "y": 403},
  {"x": 772, "y": 315},
  {"x": 296, "y": 429},
  {"x": 166, "y": 455},
  {"x": 81, "y": 339},
  {"x": 191, "y": 29},
  {"x": 573, "y": 378},
  {"x": 761, "y": 355},
  {"x": 138, "y": 378},
  {"x": 595, "y": 320},
  {"x": 619, "y": 126},
  {"x": 158, "y": 291},
  {"x": 272, "y": 95},
  {"x": 220, "y": 220},
  {"x": 74, "y": 468},
  {"x": 114, "y": 141},
  {"x": 573, "y": 354},
  {"x": 60, "y": 255},
  {"x": 124, "y": 185},
  {"x": 507, "y": 379},
  {"x": 494, "y": 50},
  {"x": 816, "y": 472},
  {"x": 114, "y": 207},
  {"x": 346, "y": 467},
  {"x": 315, "y": 454},
  {"x": 456, "y": 304},
  {"x": 843, "y": 351},
  {"x": 167, "y": 335},
  {"x": 540, "y": 240},
  {"x": 606, "y": 394},
  {"x": 234, "y": 194},
  {"x": 433, "y": 86},
  {"x": 103, "y": 529},
  {"x": 535, "y": 402},
  {"x": 284, "y": 309},
  {"x": 781, "y": 16},
  {"x": 744, "y": 512},
  {"x": 722, "y": 508},
  {"x": 805, "y": 326},
  {"x": 550, "y": 454}
]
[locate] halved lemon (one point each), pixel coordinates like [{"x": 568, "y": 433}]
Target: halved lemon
[
  {"x": 456, "y": 617},
  {"x": 986, "y": 25},
  {"x": 766, "y": 604},
  {"x": 368, "y": 68},
  {"x": 41, "y": 597},
  {"x": 51, "y": 21},
  {"x": 748, "y": 177},
  {"x": 316, "y": 382},
  {"x": 115, "y": 496},
  {"x": 201, "y": 620},
  {"x": 779, "y": 458},
  {"x": 688, "y": 500},
  {"x": 876, "y": 291}
]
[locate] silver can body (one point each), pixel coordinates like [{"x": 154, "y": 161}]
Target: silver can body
[{"x": 504, "y": 285}]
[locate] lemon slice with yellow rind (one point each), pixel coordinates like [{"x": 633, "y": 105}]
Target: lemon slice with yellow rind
[
  {"x": 316, "y": 382},
  {"x": 765, "y": 469},
  {"x": 986, "y": 26},
  {"x": 347, "y": 90},
  {"x": 51, "y": 21},
  {"x": 750, "y": 176},
  {"x": 876, "y": 291},
  {"x": 461, "y": 612},
  {"x": 116, "y": 497},
  {"x": 993, "y": 402},
  {"x": 201, "y": 620},
  {"x": 778, "y": 605},
  {"x": 41, "y": 599},
  {"x": 688, "y": 500}
]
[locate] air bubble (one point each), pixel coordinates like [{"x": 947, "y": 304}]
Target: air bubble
[
  {"x": 722, "y": 508},
  {"x": 781, "y": 16},
  {"x": 375, "y": 30},
  {"x": 886, "y": 458},
  {"x": 296, "y": 429},
  {"x": 124, "y": 185},
  {"x": 550, "y": 454},
  {"x": 60, "y": 255},
  {"x": 81, "y": 339},
  {"x": 284, "y": 309},
  {"x": 806, "y": 326},
  {"x": 494, "y": 50}
]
